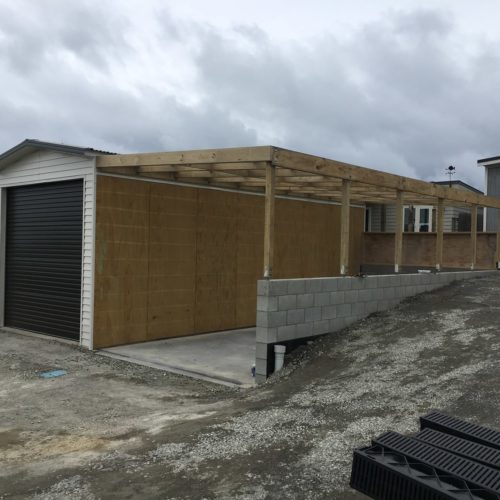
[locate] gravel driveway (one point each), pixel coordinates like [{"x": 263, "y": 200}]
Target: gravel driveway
[{"x": 109, "y": 429}]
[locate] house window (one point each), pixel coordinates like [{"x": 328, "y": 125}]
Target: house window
[
  {"x": 424, "y": 222},
  {"x": 408, "y": 219},
  {"x": 423, "y": 219},
  {"x": 418, "y": 219}
]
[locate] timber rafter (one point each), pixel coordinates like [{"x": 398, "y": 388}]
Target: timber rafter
[{"x": 296, "y": 174}]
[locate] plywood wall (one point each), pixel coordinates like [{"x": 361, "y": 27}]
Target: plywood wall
[
  {"x": 174, "y": 261},
  {"x": 122, "y": 262},
  {"x": 419, "y": 249}
]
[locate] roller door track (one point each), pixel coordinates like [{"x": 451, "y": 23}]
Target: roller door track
[{"x": 43, "y": 259}]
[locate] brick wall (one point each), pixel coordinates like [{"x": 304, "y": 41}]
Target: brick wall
[{"x": 288, "y": 310}]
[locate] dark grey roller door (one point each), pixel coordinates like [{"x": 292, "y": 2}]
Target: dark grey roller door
[{"x": 43, "y": 260}]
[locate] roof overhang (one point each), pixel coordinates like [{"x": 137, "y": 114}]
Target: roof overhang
[
  {"x": 486, "y": 162},
  {"x": 29, "y": 146},
  {"x": 297, "y": 175}
]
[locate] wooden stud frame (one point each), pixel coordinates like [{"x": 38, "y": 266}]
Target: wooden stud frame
[
  {"x": 439, "y": 233},
  {"x": 398, "y": 237},
  {"x": 297, "y": 174},
  {"x": 269, "y": 221},
  {"x": 473, "y": 236},
  {"x": 344, "y": 227}
]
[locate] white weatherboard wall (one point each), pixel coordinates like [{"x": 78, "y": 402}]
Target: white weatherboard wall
[
  {"x": 51, "y": 166},
  {"x": 289, "y": 310}
]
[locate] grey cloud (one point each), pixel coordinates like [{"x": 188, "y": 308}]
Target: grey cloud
[
  {"x": 36, "y": 33},
  {"x": 393, "y": 96},
  {"x": 396, "y": 95}
]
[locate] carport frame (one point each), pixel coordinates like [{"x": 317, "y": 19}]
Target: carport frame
[{"x": 281, "y": 172}]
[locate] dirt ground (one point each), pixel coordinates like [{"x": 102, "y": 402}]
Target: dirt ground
[{"x": 109, "y": 429}]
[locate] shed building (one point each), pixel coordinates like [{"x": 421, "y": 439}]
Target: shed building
[{"x": 108, "y": 249}]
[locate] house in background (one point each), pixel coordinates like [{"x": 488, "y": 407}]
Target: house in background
[
  {"x": 422, "y": 218},
  {"x": 492, "y": 187}
]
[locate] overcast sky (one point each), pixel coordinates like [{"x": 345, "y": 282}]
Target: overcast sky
[{"x": 403, "y": 86}]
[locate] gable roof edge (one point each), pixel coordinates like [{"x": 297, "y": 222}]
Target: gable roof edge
[{"x": 31, "y": 145}]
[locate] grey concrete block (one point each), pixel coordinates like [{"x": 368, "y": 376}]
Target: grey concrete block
[
  {"x": 329, "y": 284},
  {"x": 296, "y": 286},
  {"x": 345, "y": 283},
  {"x": 393, "y": 303},
  {"x": 396, "y": 280},
  {"x": 263, "y": 287},
  {"x": 295, "y": 316},
  {"x": 261, "y": 350},
  {"x": 358, "y": 283},
  {"x": 414, "y": 279},
  {"x": 271, "y": 318},
  {"x": 286, "y": 332},
  {"x": 365, "y": 295},
  {"x": 262, "y": 319},
  {"x": 371, "y": 282},
  {"x": 336, "y": 324},
  {"x": 343, "y": 310},
  {"x": 321, "y": 327},
  {"x": 304, "y": 330},
  {"x": 371, "y": 307},
  {"x": 266, "y": 335},
  {"x": 382, "y": 305},
  {"x": 358, "y": 309},
  {"x": 286, "y": 302},
  {"x": 384, "y": 281},
  {"x": 278, "y": 287},
  {"x": 265, "y": 303},
  {"x": 322, "y": 299},
  {"x": 260, "y": 378},
  {"x": 260, "y": 366},
  {"x": 405, "y": 279},
  {"x": 313, "y": 285},
  {"x": 351, "y": 296},
  {"x": 313, "y": 314},
  {"x": 305, "y": 300},
  {"x": 388, "y": 293},
  {"x": 350, "y": 320},
  {"x": 328, "y": 312},
  {"x": 337, "y": 298}
]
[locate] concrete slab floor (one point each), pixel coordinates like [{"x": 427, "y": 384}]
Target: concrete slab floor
[{"x": 221, "y": 357}]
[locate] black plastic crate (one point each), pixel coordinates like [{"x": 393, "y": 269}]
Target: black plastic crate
[
  {"x": 387, "y": 475},
  {"x": 466, "y": 430},
  {"x": 477, "y": 476},
  {"x": 463, "y": 447}
]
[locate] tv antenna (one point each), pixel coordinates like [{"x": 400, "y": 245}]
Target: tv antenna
[{"x": 450, "y": 171}]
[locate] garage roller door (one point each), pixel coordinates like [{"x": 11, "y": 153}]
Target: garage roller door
[{"x": 43, "y": 260}]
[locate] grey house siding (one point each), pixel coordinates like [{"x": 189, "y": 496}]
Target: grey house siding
[
  {"x": 450, "y": 214},
  {"x": 492, "y": 189},
  {"x": 376, "y": 218}
]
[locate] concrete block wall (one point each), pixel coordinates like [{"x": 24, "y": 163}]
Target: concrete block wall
[{"x": 293, "y": 309}]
